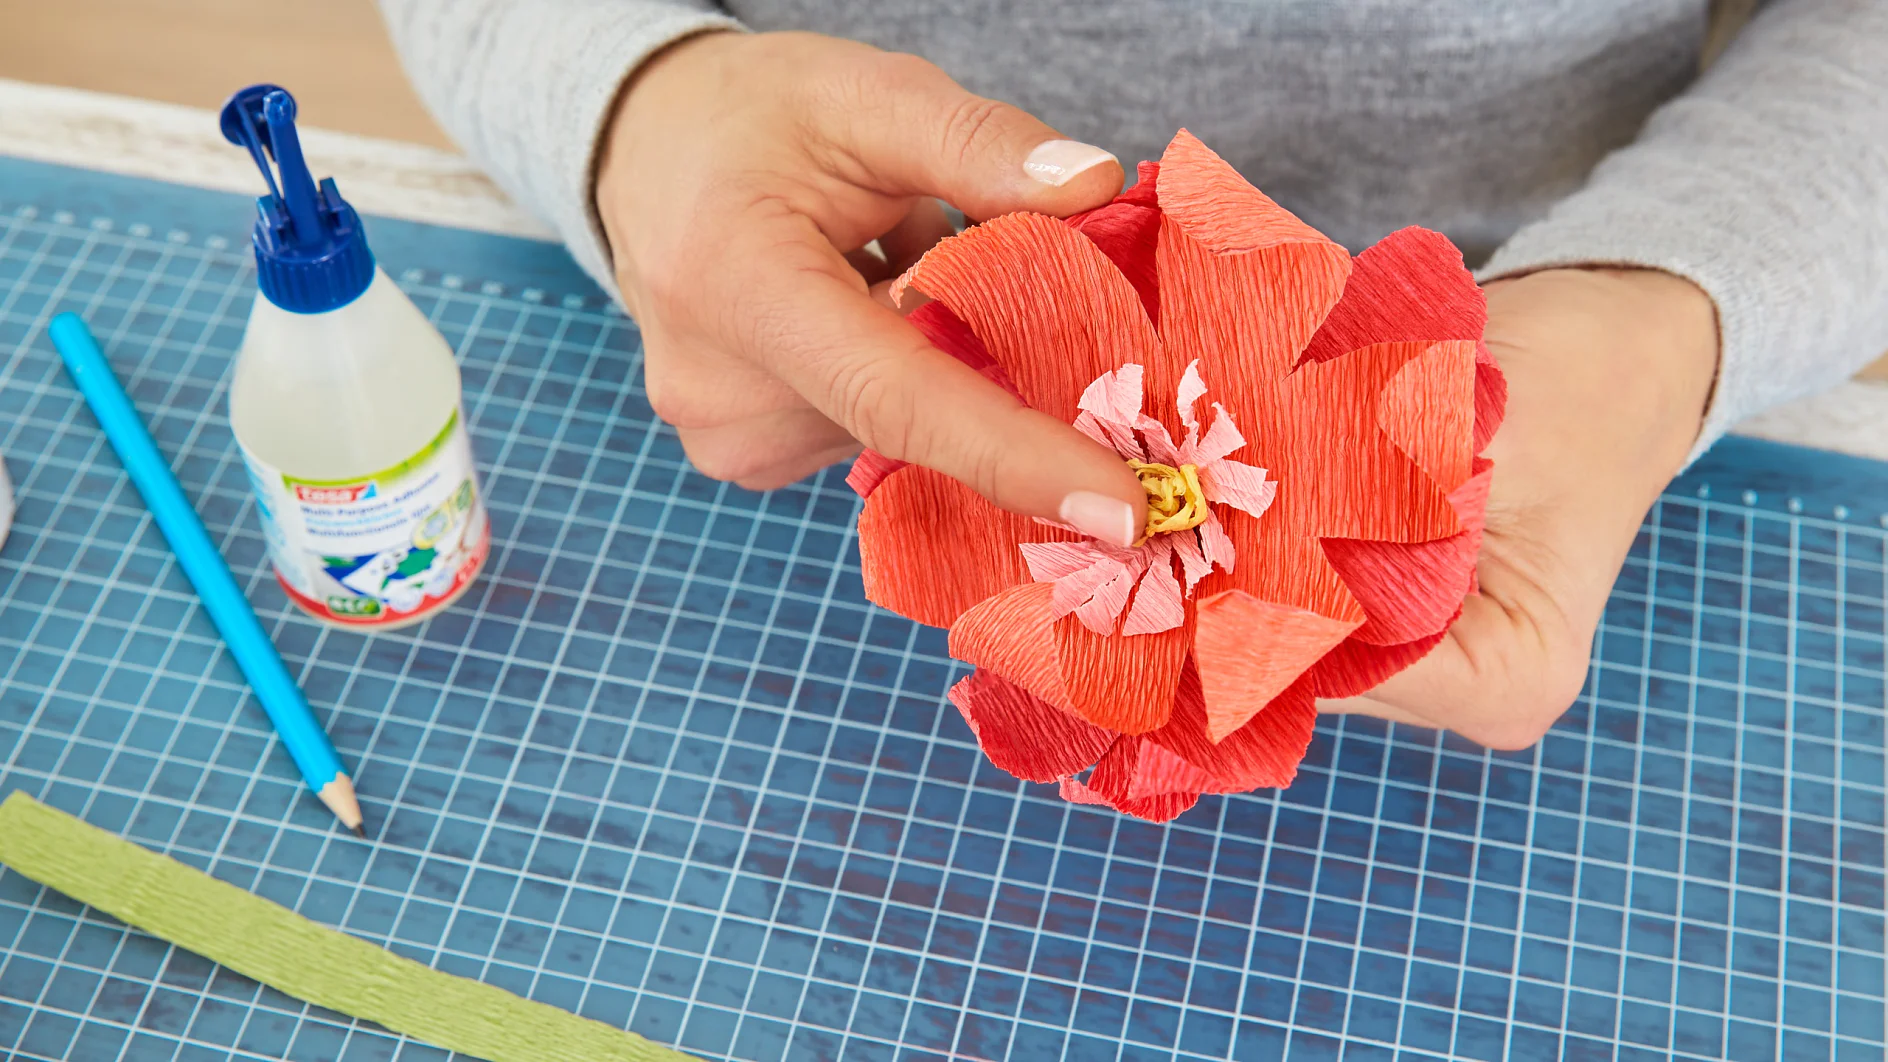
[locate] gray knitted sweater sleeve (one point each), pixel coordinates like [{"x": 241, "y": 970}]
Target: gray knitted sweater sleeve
[
  {"x": 1765, "y": 182},
  {"x": 526, "y": 86}
]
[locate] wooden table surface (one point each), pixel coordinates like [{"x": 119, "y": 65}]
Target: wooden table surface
[{"x": 333, "y": 54}]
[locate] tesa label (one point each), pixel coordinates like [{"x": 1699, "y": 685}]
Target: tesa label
[
  {"x": 380, "y": 551},
  {"x": 332, "y": 495}
]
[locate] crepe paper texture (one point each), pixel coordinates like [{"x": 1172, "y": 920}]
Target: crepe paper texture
[
  {"x": 1308, "y": 429},
  {"x": 281, "y": 949}
]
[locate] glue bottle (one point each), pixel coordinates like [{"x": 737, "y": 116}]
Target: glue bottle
[{"x": 346, "y": 405}]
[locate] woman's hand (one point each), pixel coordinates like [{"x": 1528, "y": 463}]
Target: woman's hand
[
  {"x": 1608, "y": 375},
  {"x": 742, "y": 177}
]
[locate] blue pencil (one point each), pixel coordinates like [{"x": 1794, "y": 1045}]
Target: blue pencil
[{"x": 307, "y": 744}]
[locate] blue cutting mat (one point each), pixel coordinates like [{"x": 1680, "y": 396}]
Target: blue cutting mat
[{"x": 664, "y": 766}]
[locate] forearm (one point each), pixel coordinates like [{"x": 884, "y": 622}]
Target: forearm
[
  {"x": 526, "y": 86},
  {"x": 1764, "y": 186}
]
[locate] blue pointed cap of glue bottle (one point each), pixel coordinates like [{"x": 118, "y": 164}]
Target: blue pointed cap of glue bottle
[{"x": 311, "y": 255}]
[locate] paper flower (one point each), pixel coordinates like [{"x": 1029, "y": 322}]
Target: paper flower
[
  {"x": 1309, "y": 534},
  {"x": 1096, "y": 580}
]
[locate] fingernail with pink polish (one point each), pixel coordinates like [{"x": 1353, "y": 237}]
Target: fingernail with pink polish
[
  {"x": 1057, "y": 162},
  {"x": 1109, "y": 519}
]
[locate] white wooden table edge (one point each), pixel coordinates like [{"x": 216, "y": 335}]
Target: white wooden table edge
[
  {"x": 163, "y": 141},
  {"x": 169, "y": 142}
]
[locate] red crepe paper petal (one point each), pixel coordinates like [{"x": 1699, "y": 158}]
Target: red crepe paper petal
[
  {"x": 1128, "y": 779},
  {"x": 1158, "y": 771},
  {"x": 1409, "y": 590},
  {"x": 1491, "y": 396},
  {"x": 930, "y": 547},
  {"x": 869, "y": 469},
  {"x": 1012, "y": 634},
  {"x": 1078, "y": 793},
  {"x": 1250, "y": 651},
  {"x": 1163, "y": 808},
  {"x": 948, "y": 333},
  {"x": 1428, "y": 411},
  {"x": 1411, "y": 285},
  {"x": 1048, "y": 305},
  {"x": 1244, "y": 317},
  {"x": 1123, "y": 682},
  {"x": 1120, "y": 682},
  {"x": 1024, "y": 734},
  {"x": 1127, "y": 233},
  {"x": 1339, "y": 474},
  {"x": 1471, "y": 498},
  {"x": 1215, "y": 206},
  {"x": 1264, "y": 752},
  {"x": 1145, "y": 189},
  {"x": 1357, "y": 667},
  {"x": 1413, "y": 590},
  {"x": 1280, "y": 568}
]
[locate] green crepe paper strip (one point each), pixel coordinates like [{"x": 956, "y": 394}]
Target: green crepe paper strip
[{"x": 274, "y": 945}]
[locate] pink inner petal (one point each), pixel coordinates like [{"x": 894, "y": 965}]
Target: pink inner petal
[
  {"x": 1100, "y": 612},
  {"x": 1115, "y": 396},
  {"x": 1157, "y": 604},
  {"x": 1191, "y": 559},
  {"x": 1086, "y": 423},
  {"x": 1098, "y": 583},
  {"x": 1072, "y": 590},
  {"x": 1239, "y": 485},
  {"x": 1114, "y": 436},
  {"x": 1160, "y": 445},
  {"x": 1220, "y": 439},
  {"x": 1192, "y": 388},
  {"x": 1049, "y": 561},
  {"x": 1215, "y": 544},
  {"x": 1267, "y": 495}
]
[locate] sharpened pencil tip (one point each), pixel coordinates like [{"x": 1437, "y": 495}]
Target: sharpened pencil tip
[{"x": 339, "y": 796}]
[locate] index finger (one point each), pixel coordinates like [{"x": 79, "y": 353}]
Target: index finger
[{"x": 810, "y": 320}]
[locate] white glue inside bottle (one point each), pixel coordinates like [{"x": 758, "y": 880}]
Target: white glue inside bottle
[{"x": 346, "y": 404}]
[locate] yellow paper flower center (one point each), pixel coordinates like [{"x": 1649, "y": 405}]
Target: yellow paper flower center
[{"x": 1175, "y": 501}]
